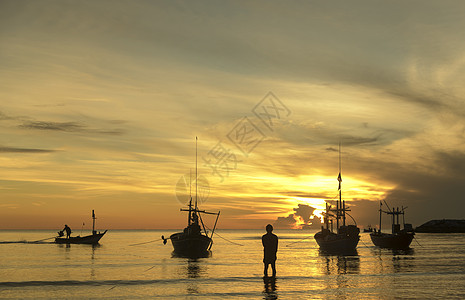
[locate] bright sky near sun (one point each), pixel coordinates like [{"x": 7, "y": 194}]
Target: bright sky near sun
[{"x": 101, "y": 101}]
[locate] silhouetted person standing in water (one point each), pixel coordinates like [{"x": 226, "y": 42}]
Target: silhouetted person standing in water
[
  {"x": 68, "y": 231},
  {"x": 270, "y": 247}
]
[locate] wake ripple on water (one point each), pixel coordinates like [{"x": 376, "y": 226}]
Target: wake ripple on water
[{"x": 21, "y": 284}]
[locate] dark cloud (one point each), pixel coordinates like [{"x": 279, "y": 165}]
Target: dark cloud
[
  {"x": 58, "y": 126},
  {"x": 431, "y": 191},
  {"x": 302, "y": 217},
  {"x": 285, "y": 222},
  {"x": 24, "y": 150},
  {"x": 67, "y": 127}
]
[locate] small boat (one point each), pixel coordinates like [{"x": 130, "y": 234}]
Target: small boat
[
  {"x": 368, "y": 229},
  {"x": 92, "y": 239},
  {"x": 399, "y": 238},
  {"x": 193, "y": 241},
  {"x": 345, "y": 238}
]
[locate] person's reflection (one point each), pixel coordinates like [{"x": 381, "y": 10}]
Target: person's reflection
[{"x": 270, "y": 288}]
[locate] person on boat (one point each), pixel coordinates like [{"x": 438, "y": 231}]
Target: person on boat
[
  {"x": 68, "y": 231},
  {"x": 270, "y": 248}
]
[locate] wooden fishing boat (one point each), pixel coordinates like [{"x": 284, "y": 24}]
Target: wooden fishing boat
[
  {"x": 88, "y": 239},
  {"x": 398, "y": 238},
  {"x": 345, "y": 238},
  {"x": 194, "y": 240},
  {"x": 92, "y": 239}
]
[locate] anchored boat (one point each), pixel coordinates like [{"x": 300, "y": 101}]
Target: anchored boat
[
  {"x": 344, "y": 238},
  {"x": 194, "y": 240},
  {"x": 92, "y": 239},
  {"x": 399, "y": 238}
]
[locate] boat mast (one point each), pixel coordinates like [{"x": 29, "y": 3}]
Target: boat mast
[
  {"x": 190, "y": 198},
  {"x": 93, "y": 222},
  {"x": 380, "y": 214},
  {"x": 339, "y": 179},
  {"x": 196, "y": 175},
  {"x": 341, "y": 204}
]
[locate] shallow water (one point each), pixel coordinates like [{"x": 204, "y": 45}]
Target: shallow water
[{"x": 117, "y": 269}]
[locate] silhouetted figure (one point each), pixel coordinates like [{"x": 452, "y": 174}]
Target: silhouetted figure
[
  {"x": 270, "y": 247},
  {"x": 68, "y": 231}
]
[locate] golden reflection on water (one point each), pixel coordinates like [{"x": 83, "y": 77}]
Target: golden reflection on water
[
  {"x": 192, "y": 268},
  {"x": 337, "y": 265},
  {"x": 303, "y": 272}
]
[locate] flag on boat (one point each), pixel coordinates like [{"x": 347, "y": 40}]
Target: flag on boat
[{"x": 339, "y": 178}]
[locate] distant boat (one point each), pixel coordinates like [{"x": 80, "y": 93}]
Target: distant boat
[
  {"x": 399, "y": 238},
  {"x": 345, "y": 238},
  {"x": 368, "y": 229},
  {"x": 193, "y": 241},
  {"x": 92, "y": 239}
]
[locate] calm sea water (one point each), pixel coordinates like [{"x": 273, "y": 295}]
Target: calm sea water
[{"x": 117, "y": 269}]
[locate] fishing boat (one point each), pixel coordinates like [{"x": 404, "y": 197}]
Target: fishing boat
[
  {"x": 368, "y": 229},
  {"x": 92, "y": 239},
  {"x": 344, "y": 239},
  {"x": 399, "y": 238},
  {"x": 194, "y": 240}
]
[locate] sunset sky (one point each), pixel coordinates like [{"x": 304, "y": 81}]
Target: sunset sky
[{"x": 101, "y": 101}]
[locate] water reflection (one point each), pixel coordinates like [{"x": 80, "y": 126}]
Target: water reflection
[
  {"x": 340, "y": 264},
  {"x": 270, "y": 288},
  {"x": 92, "y": 261},
  {"x": 395, "y": 261},
  {"x": 192, "y": 269},
  {"x": 192, "y": 256}
]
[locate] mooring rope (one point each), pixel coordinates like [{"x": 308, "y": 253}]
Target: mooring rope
[
  {"x": 42, "y": 240},
  {"x": 299, "y": 240},
  {"x": 26, "y": 242},
  {"x": 239, "y": 244},
  {"x": 146, "y": 242},
  {"x": 364, "y": 243}
]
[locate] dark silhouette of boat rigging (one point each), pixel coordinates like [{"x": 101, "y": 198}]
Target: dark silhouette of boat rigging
[
  {"x": 399, "y": 238},
  {"x": 345, "y": 238},
  {"x": 194, "y": 241},
  {"x": 92, "y": 239}
]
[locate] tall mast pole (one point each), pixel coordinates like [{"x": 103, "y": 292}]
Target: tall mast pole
[
  {"x": 93, "y": 222},
  {"x": 380, "y": 214},
  {"x": 196, "y": 176},
  {"x": 189, "y": 217},
  {"x": 342, "y": 204}
]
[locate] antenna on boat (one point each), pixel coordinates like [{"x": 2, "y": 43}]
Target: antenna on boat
[
  {"x": 341, "y": 205},
  {"x": 93, "y": 222},
  {"x": 190, "y": 198},
  {"x": 196, "y": 175}
]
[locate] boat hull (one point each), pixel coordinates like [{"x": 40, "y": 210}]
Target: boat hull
[
  {"x": 89, "y": 239},
  {"x": 191, "y": 245},
  {"x": 337, "y": 243},
  {"x": 392, "y": 241}
]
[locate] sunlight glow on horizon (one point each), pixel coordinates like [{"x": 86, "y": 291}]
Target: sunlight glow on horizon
[{"x": 101, "y": 103}]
